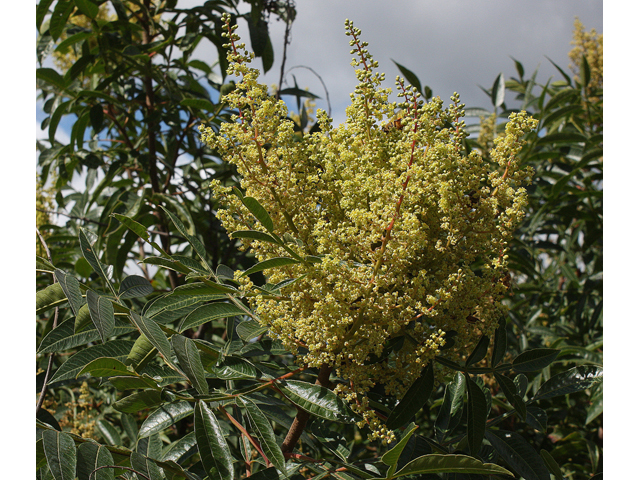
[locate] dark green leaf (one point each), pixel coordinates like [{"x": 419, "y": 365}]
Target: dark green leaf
[
  {"x": 60, "y": 450},
  {"x": 254, "y": 235},
  {"x": 164, "y": 417},
  {"x": 476, "y": 415},
  {"x": 105, "y": 367},
  {"x": 71, "y": 288},
  {"x": 139, "y": 401},
  {"x": 117, "y": 349},
  {"x": 551, "y": 464},
  {"x": 108, "y": 432},
  {"x": 249, "y": 330},
  {"x": 574, "y": 380},
  {"x": 537, "y": 418},
  {"x": 214, "y": 451},
  {"x": 130, "y": 382},
  {"x": 410, "y": 76},
  {"x": 317, "y": 400},
  {"x": 52, "y": 296},
  {"x": 479, "y": 352},
  {"x": 49, "y": 75},
  {"x": 262, "y": 429},
  {"x": 101, "y": 311},
  {"x": 198, "y": 103},
  {"x": 63, "y": 337},
  {"x": 146, "y": 466},
  {"x": 92, "y": 456},
  {"x": 181, "y": 447},
  {"x": 511, "y": 393},
  {"x": 498, "y": 91},
  {"x": 259, "y": 212},
  {"x": 518, "y": 454},
  {"x": 391, "y": 457},
  {"x": 436, "y": 463},
  {"x": 451, "y": 409},
  {"x": 234, "y": 368},
  {"x": 271, "y": 263},
  {"x": 413, "y": 400},
  {"x": 90, "y": 255},
  {"x": 189, "y": 360},
  {"x": 208, "y": 313},
  {"x": 535, "y": 360},
  {"x": 154, "y": 334},
  {"x": 42, "y": 8},
  {"x": 499, "y": 344},
  {"x": 135, "y": 286}
]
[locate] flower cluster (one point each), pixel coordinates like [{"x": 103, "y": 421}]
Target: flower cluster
[{"x": 399, "y": 232}]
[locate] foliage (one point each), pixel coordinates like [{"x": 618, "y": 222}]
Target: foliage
[{"x": 228, "y": 400}]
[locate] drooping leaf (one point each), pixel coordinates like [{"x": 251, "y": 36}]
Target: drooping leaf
[
  {"x": 60, "y": 450},
  {"x": 190, "y": 363},
  {"x": 436, "y": 463},
  {"x": 262, "y": 429},
  {"x": 117, "y": 349},
  {"x": 92, "y": 456},
  {"x": 135, "y": 286},
  {"x": 413, "y": 400},
  {"x": 534, "y": 360},
  {"x": 476, "y": 415},
  {"x": 511, "y": 393},
  {"x": 499, "y": 344},
  {"x": 518, "y": 454},
  {"x": 212, "y": 446},
  {"x": 102, "y": 316},
  {"x": 317, "y": 400},
  {"x": 164, "y": 417},
  {"x": 573, "y": 380}
]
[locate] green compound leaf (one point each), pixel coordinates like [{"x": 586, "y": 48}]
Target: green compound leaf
[
  {"x": 436, "y": 463},
  {"x": 60, "y": 451},
  {"x": 317, "y": 400},
  {"x": 535, "y": 359},
  {"x": 212, "y": 446},
  {"x": 413, "y": 400},
  {"x": 261, "y": 427},
  {"x": 271, "y": 263},
  {"x": 574, "y": 380},
  {"x": 476, "y": 415},
  {"x": 92, "y": 456},
  {"x": 208, "y": 313},
  {"x": 101, "y": 312},
  {"x": 518, "y": 454},
  {"x": 135, "y": 286},
  {"x": 189, "y": 360},
  {"x": 71, "y": 288},
  {"x": 164, "y": 417}
]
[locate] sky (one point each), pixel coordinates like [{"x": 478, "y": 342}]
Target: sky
[{"x": 452, "y": 46}]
